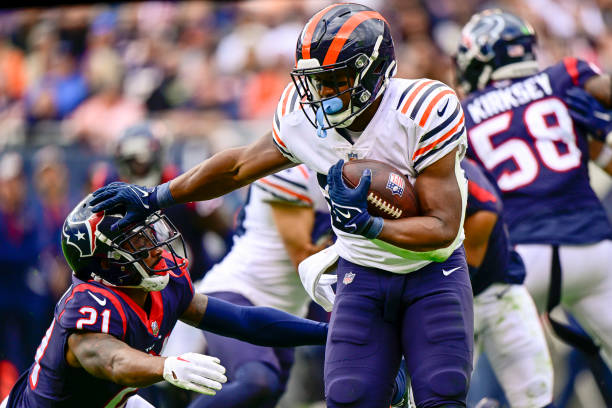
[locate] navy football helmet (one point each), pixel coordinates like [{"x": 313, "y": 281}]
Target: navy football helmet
[
  {"x": 494, "y": 45},
  {"x": 139, "y": 155},
  {"x": 140, "y": 256},
  {"x": 343, "y": 44}
]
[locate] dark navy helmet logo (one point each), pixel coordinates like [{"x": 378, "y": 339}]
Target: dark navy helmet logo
[{"x": 395, "y": 183}]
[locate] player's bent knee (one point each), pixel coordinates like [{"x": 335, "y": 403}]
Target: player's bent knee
[
  {"x": 437, "y": 385},
  {"x": 346, "y": 391},
  {"x": 448, "y": 382},
  {"x": 261, "y": 380}
]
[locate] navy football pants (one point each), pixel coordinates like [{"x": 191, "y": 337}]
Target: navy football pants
[{"x": 425, "y": 315}]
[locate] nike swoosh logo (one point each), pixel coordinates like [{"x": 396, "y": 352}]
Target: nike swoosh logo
[
  {"x": 441, "y": 112},
  {"x": 346, "y": 215},
  {"x": 140, "y": 198},
  {"x": 446, "y": 273},
  {"x": 101, "y": 302},
  {"x": 146, "y": 193}
]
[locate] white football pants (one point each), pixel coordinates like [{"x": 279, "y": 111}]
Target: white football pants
[
  {"x": 586, "y": 290},
  {"x": 507, "y": 328}
]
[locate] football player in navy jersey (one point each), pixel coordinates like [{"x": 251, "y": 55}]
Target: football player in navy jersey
[
  {"x": 520, "y": 130},
  {"x": 129, "y": 288},
  {"x": 506, "y": 322}
]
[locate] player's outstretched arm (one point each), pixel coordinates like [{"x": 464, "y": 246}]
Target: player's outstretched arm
[
  {"x": 223, "y": 172},
  {"x": 106, "y": 357},
  {"x": 588, "y": 113},
  {"x": 600, "y": 87},
  {"x": 263, "y": 326},
  {"x": 440, "y": 201},
  {"x": 228, "y": 170}
]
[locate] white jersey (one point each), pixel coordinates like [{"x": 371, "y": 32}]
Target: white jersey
[
  {"x": 258, "y": 265},
  {"x": 417, "y": 123}
]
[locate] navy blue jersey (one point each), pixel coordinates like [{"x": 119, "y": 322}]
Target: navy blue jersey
[
  {"x": 92, "y": 306},
  {"x": 501, "y": 263},
  {"x": 520, "y": 130}
]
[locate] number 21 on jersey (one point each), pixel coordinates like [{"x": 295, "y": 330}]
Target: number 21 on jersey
[{"x": 548, "y": 122}]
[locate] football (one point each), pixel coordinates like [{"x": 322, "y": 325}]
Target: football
[{"x": 390, "y": 196}]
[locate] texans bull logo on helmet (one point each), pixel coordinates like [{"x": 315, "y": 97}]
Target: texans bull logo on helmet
[{"x": 81, "y": 233}]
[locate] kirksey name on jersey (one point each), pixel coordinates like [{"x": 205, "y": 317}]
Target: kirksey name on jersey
[{"x": 417, "y": 123}]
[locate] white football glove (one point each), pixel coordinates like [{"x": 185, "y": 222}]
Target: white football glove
[{"x": 195, "y": 372}]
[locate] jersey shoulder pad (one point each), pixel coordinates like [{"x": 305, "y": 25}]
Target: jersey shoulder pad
[
  {"x": 289, "y": 186},
  {"x": 434, "y": 111},
  {"x": 92, "y": 308},
  {"x": 288, "y": 103},
  {"x": 573, "y": 72}
]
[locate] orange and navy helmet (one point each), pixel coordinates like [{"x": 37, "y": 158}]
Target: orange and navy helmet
[{"x": 349, "y": 44}]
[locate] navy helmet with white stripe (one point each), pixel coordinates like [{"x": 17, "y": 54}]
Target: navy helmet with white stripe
[
  {"x": 343, "y": 43},
  {"x": 494, "y": 45}
]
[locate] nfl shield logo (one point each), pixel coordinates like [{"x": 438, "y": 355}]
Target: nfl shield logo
[
  {"x": 396, "y": 184},
  {"x": 352, "y": 156},
  {"x": 154, "y": 327},
  {"x": 348, "y": 278}
]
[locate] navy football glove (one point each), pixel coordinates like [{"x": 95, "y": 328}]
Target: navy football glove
[
  {"x": 589, "y": 113},
  {"x": 349, "y": 206},
  {"x": 138, "y": 201}
]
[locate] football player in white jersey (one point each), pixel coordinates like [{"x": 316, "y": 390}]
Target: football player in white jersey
[
  {"x": 284, "y": 220},
  {"x": 403, "y": 285}
]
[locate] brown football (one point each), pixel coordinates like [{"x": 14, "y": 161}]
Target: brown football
[{"x": 390, "y": 196}]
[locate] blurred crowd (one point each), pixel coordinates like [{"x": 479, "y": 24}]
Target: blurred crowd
[{"x": 79, "y": 85}]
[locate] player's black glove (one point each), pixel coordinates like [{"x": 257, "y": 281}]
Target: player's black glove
[
  {"x": 138, "y": 201},
  {"x": 349, "y": 206},
  {"x": 589, "y": 113}
]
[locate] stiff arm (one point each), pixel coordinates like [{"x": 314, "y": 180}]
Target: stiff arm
[{"x": 228, "y": 170}]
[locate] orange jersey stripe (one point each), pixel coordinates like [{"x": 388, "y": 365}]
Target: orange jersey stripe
[
  {"x": 440, "y": 140},
  {"x": 278, "y": 139},
  {"x": 431, "y": 105},
  {"x": 344, "y": 33},
  {"x": 286, "y": 190},
  {"x": 284, "y": 103},
  {"x": 309, "y": 32},
  {"x": 302, "y": 169},
  {"x": 413, "y": 95}
]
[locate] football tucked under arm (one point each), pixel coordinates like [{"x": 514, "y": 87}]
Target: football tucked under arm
[{"x": 390, "y": 195}]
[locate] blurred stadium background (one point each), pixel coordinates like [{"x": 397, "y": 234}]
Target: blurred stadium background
[{"x": 204, "y": 76}]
